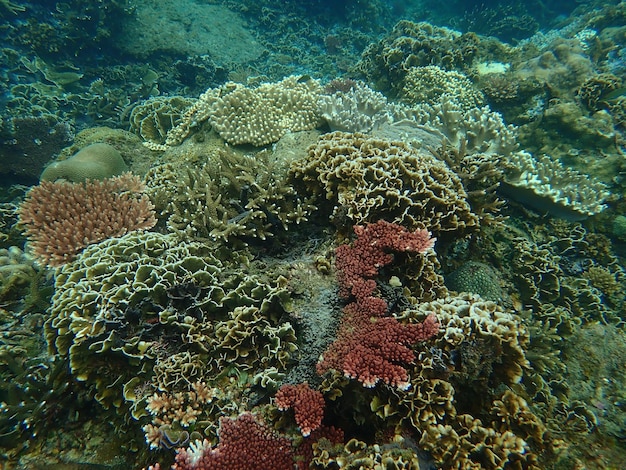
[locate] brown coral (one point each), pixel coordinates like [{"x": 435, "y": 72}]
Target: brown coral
[
  {"x": 366, "y": 179},
  {"x": 61, "y": 218}
]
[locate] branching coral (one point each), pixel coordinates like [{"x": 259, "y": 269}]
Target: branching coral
[{"x": 61, "y": 219}]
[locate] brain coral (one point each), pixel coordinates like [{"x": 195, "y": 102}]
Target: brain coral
[{"x": 367, "y": 179}]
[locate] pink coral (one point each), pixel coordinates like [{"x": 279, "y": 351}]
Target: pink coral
[
  {"x": 245, "y": 444},
  {"x": 370, "y": 346},
  {"x": 359, "y": 263},
  {"x": 60, "y": 219},
  {"x": 308, "y": 405}
]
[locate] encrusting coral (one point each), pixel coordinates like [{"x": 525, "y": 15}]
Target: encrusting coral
[{"x": 60, "y": 219}]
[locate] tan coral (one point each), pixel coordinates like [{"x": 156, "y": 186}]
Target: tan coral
[
  {"x": 546, "y": 184},
  {"x": 365, "y": 179},
  {"x": 432, "y": 84},
  {"x": 257, "y": 116},
  {"x": 262, "y": 115}
]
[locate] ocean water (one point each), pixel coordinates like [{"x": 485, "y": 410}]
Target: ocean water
[{"x": 311, "y": 234}]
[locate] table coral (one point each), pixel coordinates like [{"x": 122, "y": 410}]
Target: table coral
[
  {"x": 257, "y": 116},
  {"x": 544, "y": 183},
  {"x": 432, "y": 84}
]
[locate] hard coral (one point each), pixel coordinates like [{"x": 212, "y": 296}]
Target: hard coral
[
  {"x": 308, "y": 405},
  {"x": 245, "y": 444},
  {"x": 61, "y": 219},
  {"x": 366, "y": 179},
  {"x": 371, "y": 347}
]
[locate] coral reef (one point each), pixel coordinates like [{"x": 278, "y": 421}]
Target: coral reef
[
  {"x": 287, "y": 309},
  {"x": 409, "y": 45}
]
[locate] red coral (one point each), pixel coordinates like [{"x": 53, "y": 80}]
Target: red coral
[
  {"x": 359, "y": 263},
  {"x": 60, "y": 219},
  {"x": 308, "y": 405},
  {"x": 370, "y": 346},
  {"x": 245, "y": 444}
]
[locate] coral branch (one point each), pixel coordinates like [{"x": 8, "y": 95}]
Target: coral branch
[
  {"x": 370, "y": 346},
  {"x": 308, "y": 405}
]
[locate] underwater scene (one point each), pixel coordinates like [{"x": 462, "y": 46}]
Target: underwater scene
[{"x": 312, "y": 234}]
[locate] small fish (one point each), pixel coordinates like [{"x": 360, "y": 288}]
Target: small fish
[{"x": 615, "y": 94}]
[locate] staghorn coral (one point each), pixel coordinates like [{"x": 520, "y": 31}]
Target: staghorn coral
[
  {"x": 61, "y": 219},
  {"x": 367, "y": 179},
  {"x": 234, "y": 198}
]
